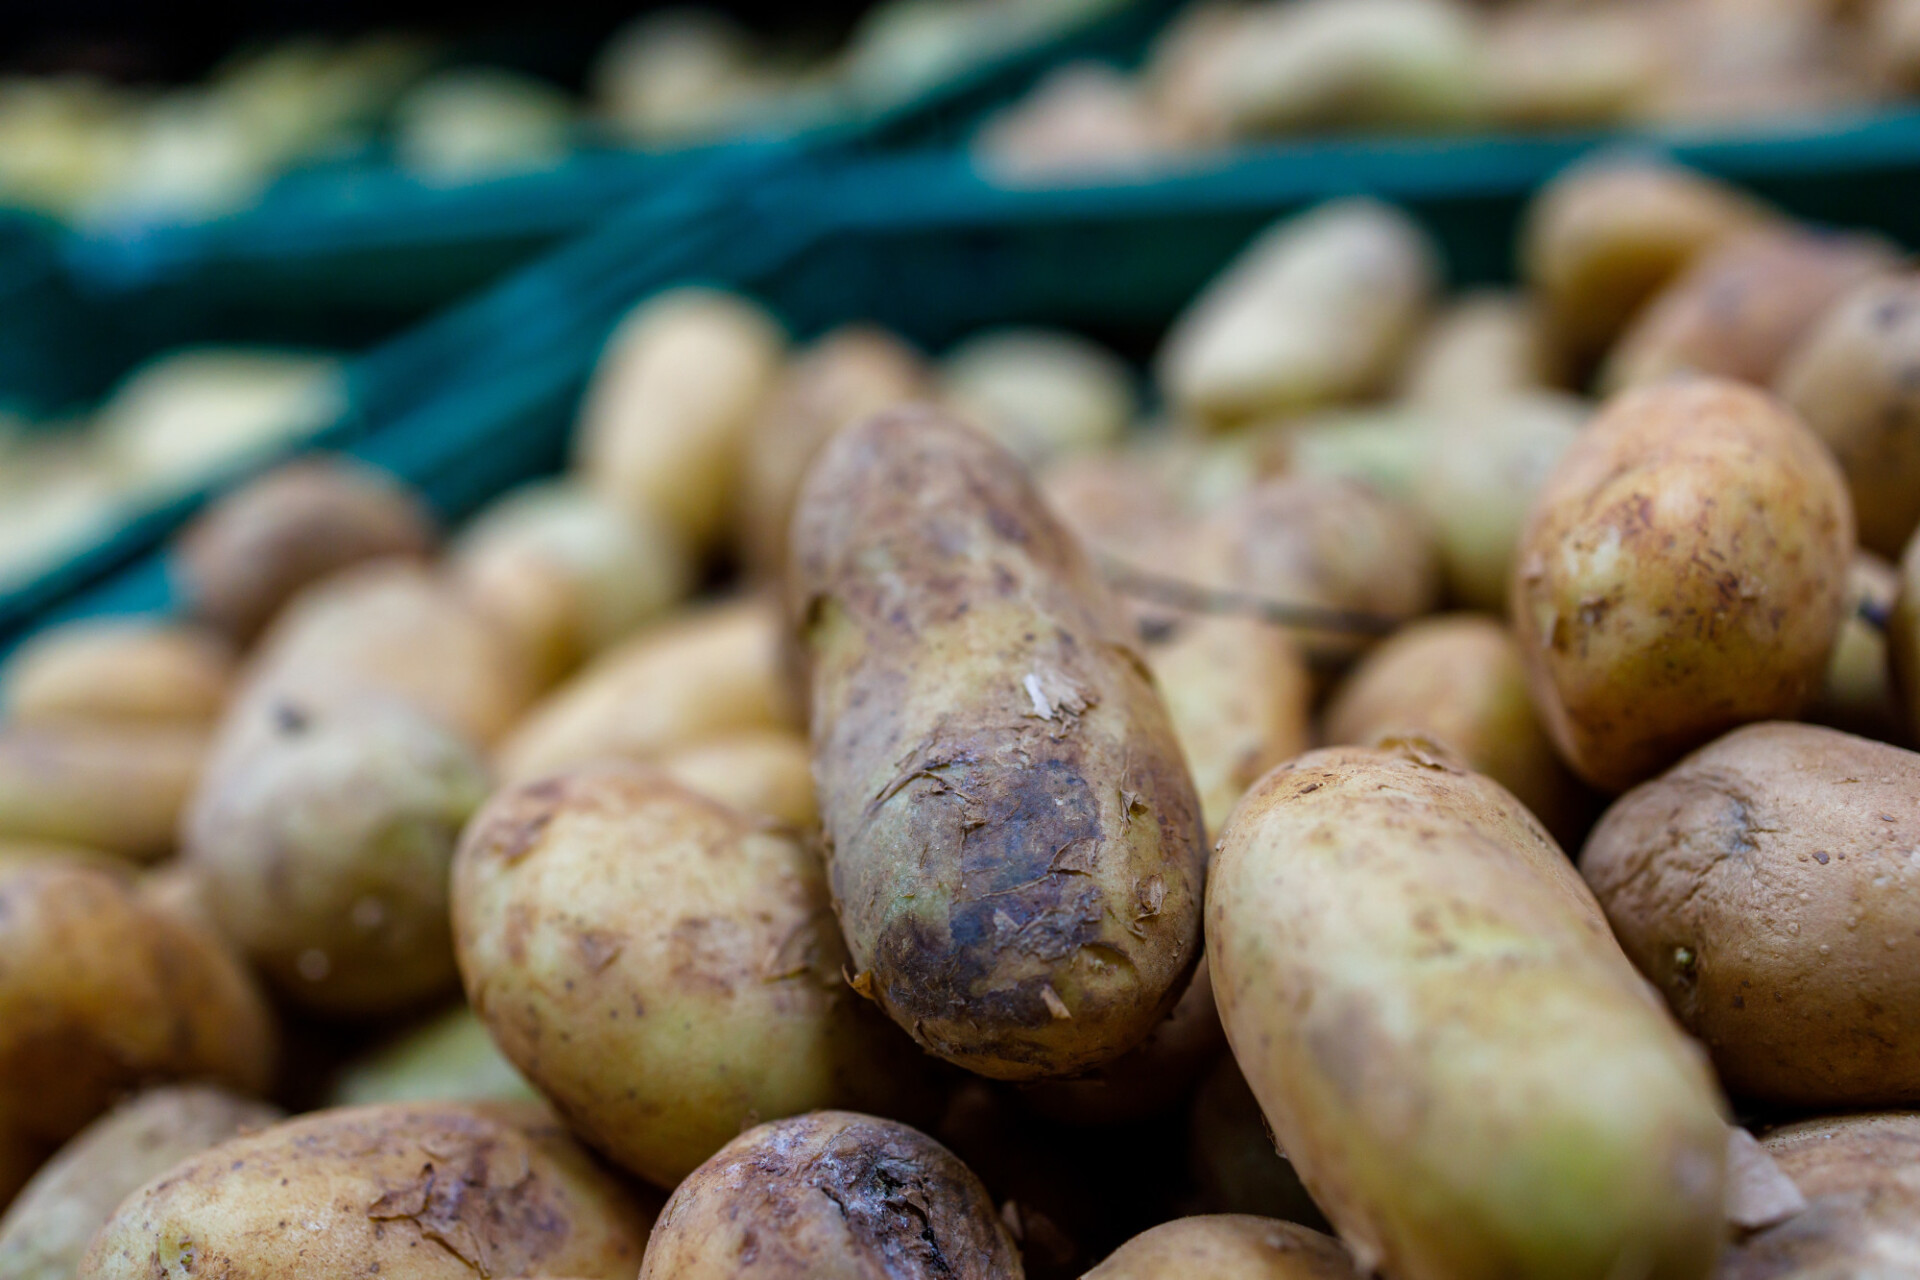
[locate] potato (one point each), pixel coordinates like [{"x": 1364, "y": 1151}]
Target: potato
[
  {"x": 1683, "y": 571},
  {"x": 706, "y": 674},
  {"x": 1228, "y": 1247},
  {"x": 1768, "y": 910},
  {"x": 114, "y": 669},
  {"x": 1083, "y": 119},
  {"x": 1855, "y": 379},
  {"x": 1040, "y": 392},
  {"x": 406, "y": 1191},
  {"x": 831, "y": 1196},
  {"x": 1388, "y": 447},
  {"x": 1459, "y": 680},
  {"x": 325, "y": 851},
  {"x": 1894, "y": 41},
  {"x": 1231, "y": 1157},
  {"x": 1548, "y": 66},
  {"x": 249, "y": 552},
  {"x": 1859, "y": 1175},
  {"x": 665, "y": 418},
  {"x": 466, "y": 124},
  {"x": 673, "y": 75},
  {"x": 850, "y": 374},
  {"x": 568, "y": 573},
  {"x": 1743, "y": 307},
  {"x": 1321, "y": 308},
  {"x": 1468, "y": 1074},
  {"x": 448, "y": 1058},
  {"x": 1014, "y": 843},
  {"x": 1857, "y": 694},
  {"x": 45, "y": 1232},
  {"x": 118, "y": 788},
  {"x": 764, "y": 771},
  {"x": 100, "y": 994},
  {"x": 662, "y": 967},
  {"x": 1119, "y": 504},
  {"x": 1608, "y": 234},
  {"x": 1484, "y": 343}
]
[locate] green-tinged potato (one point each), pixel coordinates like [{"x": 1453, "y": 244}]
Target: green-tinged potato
[
  {"x": 1231, "y": 1156},
  {"x": 1469, "y": 1075},
  {"x": 464, "y": 124},
  {"x": 118, "y": 669},
  {"x": 1741, "y": 308},
  {"x": 1683, "y": 571},
  {"x": 1484, "y": 343},
  {"x": 850, "y": 374},
  {"x": 567, "y": 572},
  {"x": 1388, "y": 447},
  {"x": 1319, "y": 309},
  {"x": 1762, "y": 885},
  {"x": 448, "y": 1058},
  {"x": 701, "y": 675},
  {"x": 665, "y": 420},
  {"x": 764, "y": 771},
  {"x": 1608, "y": 234},
  {"x": 1855, "y": 379},
  {"x": 831, "y": 1196},
  {"x": 251, "y": 551},
  {"x": 1040, "y": 392},
  {"x": 1459, "y": 680},
  {"x": 663, "y": 968},
  {"x": 1553, "y": 66},
  {"x": 1860, "y": 1175},
  {"x": 117, "y": 788},
  {"x": 404, "y": 1191},
  {"x": 100, "y": 994},
  {"x": 45, "y": 1232},
  {"x": 1014, "y": 843},
  {"x": 325, "y": 846},
  {"x": 1228, "y": 1247},
  {"x": 1857, "y": 694}
]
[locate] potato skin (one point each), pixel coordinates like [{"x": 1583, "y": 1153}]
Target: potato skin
[
  {"x": 447, "y": 1058},
  {"x": 763, "y": 771},
  {"x": 1858, "y": 1173},
  {"x": 1469, "y": 1076},
  {"x": 112, "y": 670},
  {"x": 1757, "y": 884},
  {"x": 830, "y": 1196},
  {"x": 1858, "y": 694},
  {"x": 1228, "y": 1246},
  {"x": 1014, "y": 843},
  {"x": 118, "y": 788},
  {"x": 1683, "y": 571},
  {"x": 405, "y": 1191}
]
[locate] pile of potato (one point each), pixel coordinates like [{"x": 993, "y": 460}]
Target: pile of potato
[{"x": 881, "y": 816}]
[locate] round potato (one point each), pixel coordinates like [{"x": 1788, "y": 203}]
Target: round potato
[
  {"x": 117, "y": 788},
  {"x": 763, "y": 771},
  {"x": 405, "y": 1191},
  {"x": 1858, "y": 694},
  {"x": 100, "y": 994},
  {"x": 1119, "y": 504},
  {"x": 118, "y": 670},
  {"x": 1484, "y": 345},
  {"x": 449, "y": 1058},
  {"x": 1040, "y": 392},
  {"x": 251, "y": 551},
  {"x": 1683, "y": 571},
  {"x": 1450, "y": 1046},
  {"x": 1860, "y": 1175},
  {"x": 1228, "y": 1247},
  {"x": 831, "y": 1196},
  {"x": 1014, "y": 842},
  {"x": 1771, "y": 912}
]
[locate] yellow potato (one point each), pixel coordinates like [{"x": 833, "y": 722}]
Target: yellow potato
[
  {"x": 1484, "y": 343},
  {"x": 1860, "y": 1175},
  {"x": 764, "y": 771},
  {"x": 448, "y": 1058},
  {"x": 1858, "y": 694},
  {"x": 118, "y": 788},
  {"x": 1228, "y": 1247},
  {"x": 1040, "y": 392},
  {"x": 118, "y": 670}
]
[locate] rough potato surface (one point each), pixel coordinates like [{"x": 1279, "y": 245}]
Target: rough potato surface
[{"x": 1860, "y": 1176}]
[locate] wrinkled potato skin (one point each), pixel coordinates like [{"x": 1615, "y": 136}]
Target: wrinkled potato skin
[
  {"x": 1775, "y": 860},
  {"x": 406, "y": 1191},
  {"x": 250, "y": 552},
  {"x": 115, "y": 670},
  {"x": 706, "y": 674},
  {"x": 1858, "y": 694},
  {"x": 117, "y": 788},
  {"x": 46, "y": 1230},
  {"x": 1859, "y": 1174},
  {"x": 1469, "y": 1076},
  {"x": 663, "y": 968},
  {"x": 830, "y": 1196},
  {"x": 1228, "y": 1247},
  {"x": 763, "y": 771},
  {"x": 1683, "y": 571},
  {"x": 99, "y": 994},
  {"x": 1014, "y": 843}
]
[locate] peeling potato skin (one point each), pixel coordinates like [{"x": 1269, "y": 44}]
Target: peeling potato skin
[
  {"x": 1861, "y": 1177},
  {"x": 435, "y": 1191},
  {"x": 100, "y": 994},
  {"x": 663, "y": 968},
  {"x": 1013, "y": 840},
  {"x": 1228, "y": 1247},
  {"x": 831, "y": 1196},
  {"x": 1766, "y": 885},
  {"x": 1683, "y": 571},
  {"x": 1469, "y": 1076}
]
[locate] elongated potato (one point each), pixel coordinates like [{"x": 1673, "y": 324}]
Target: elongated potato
[
  {"x": 448, "y": 1058},
  {"x": 1759, "y": 885},
  {"x": 1015, "y": 845},
  {"x": 115, "y": 670},
  {"x": 1468, "y": 1074},
  {"x": 1228, "y": 1247},
  {"x": 1860, "y": 1175},
  {"x": 1857, "y": 695},
  {"x": 46, "y": 1230},
  {"x": 763, "y": 771},
  {"x": 118, "y": 788},
  {"x": 830, "y": 1196},
  {"x": 1040, "y": 392},
  {"x": 1683, "y": 571},
  {"x": 100, "y": 993},
  {"x": 405, "y": 1191}
]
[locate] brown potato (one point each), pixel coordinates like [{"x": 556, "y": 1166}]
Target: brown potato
[
  {"x": 764, "y": 771},
  {"x": 118, "y": 788},
  {"x": 1771, "y": 911},
  {"x": 830, "y": 1196},
  {"x": 1861, "y": 1177},
  {"x": 405, "y": 1191},
  {"x": 1228, "y": 1247},
  {"x": 1483, "y": 344},
  {"x": 1683, "y": 571},
  {"x": 1015, "y": 846},
  {"x": 1858, "y": 694},
  {"x": 251, "y": 551},
  {"x": 117, "y": 669},
  {"x": 100, "y": 994}
]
